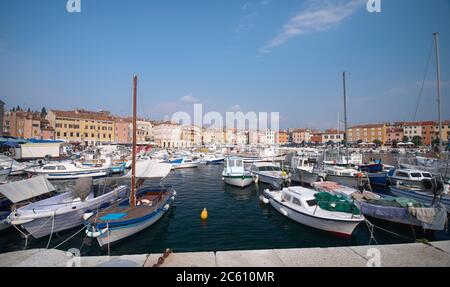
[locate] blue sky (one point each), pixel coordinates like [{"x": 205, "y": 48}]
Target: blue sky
[{"x": 282, "y": 56}]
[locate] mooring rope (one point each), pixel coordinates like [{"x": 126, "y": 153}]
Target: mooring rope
[
  {"x": 51, "y": 232},
  {"x": 72, "y": 236}
]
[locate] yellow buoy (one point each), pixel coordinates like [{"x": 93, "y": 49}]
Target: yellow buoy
[{"x": 204, "y": 214}]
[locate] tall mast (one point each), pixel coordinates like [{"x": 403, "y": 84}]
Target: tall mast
[
  {"x": 438, "y": 80},
  {"x": 133, "y": 157},
  {"x": 345, "y": 117}
]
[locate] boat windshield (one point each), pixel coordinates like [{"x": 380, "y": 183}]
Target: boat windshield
[
  {"x": 416, "y": 174},
  {"x": 269, "y": 168},
  {"x": 427, "y": 175},
  {"x": 312, "y": 202},
  {"x": 52, "y": 167}
]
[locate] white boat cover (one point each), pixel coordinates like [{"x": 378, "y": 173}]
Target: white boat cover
[
  {"x": 26, "y": 189},
  {"x": 147, "y": 169}
]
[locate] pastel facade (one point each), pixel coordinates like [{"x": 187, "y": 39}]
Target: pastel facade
[{"x": 81, "y": 126}]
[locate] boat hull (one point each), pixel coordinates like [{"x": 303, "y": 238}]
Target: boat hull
[
  {"x": 305, "y": 177},
  {"x": 43, "y": 226},
  {"x": 75, "y": 175},
  {"x": 423, "y": 197},
  {"x": 185, "y": 165},
  {"x": 339, "y": 228},
  {"x": 117, "y": 234},
  {"x": 3, "y": 221},
  {"x": 350, "y": 181},
  {"x": 238, "y": 181},
  {"x": 268, "y": 179},
  {"x": 378, "y": 178}
]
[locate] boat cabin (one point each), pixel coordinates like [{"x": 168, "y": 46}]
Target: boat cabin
[
  {"x": 264, "y": 166},
  {"x": 299, "y": 198},
  {"x": 303, "y": 163},
  {"x": 234, "y": 165},
  {"x": 410, "y": 174}
]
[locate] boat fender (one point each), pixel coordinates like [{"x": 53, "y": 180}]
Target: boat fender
[
  {"x": 95, "y": 234},
  {"x": 174, "y": 193},
  {"x": 87, "y": 215},
  {"x": 144, "y": 202},
  {"x": 172, "y": 198},
  {"x": 166, "y": 207},
  {"x": 284, "y": 212},
  {"x": 266, "y": 200}
]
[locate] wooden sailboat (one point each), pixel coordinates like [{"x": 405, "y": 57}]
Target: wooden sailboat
[{"x": 144, "y": 206}]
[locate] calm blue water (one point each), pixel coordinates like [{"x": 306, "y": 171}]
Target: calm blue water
[{"x": 237, "y": 221}]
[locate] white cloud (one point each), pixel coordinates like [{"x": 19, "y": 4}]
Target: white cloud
[
  {"x": 235, "y": 108},
  {"x": 188, "y": 99},
  {"x": 320, "y": 15}
]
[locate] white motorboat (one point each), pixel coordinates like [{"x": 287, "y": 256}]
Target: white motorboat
[
  {"x": 235, "y": 174},
  {"x": 315, "y": 209},
  {"x": 215, "y": 159},
  {"x": 68, "y": 170},
  {"x": 66, "y": 210},
  {"x": 181, "y": 163},
  {"x": 347, "y": 176},
  {"x": 305, "y": 171},
  {"x": 269, "y": 173},
  {"x": 410, "y": 177}
]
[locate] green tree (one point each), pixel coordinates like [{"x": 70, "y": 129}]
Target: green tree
[
  {"x": 417, "y": 140},
  {"x": 43, "y": 112},
  {"x": 435, "y": 142},
  {"x": 405, "y": 139}
]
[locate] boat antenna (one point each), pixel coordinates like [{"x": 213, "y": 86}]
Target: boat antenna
[
  {"x": 133, "y": 156},
  {"x": 438, "y": 82}
]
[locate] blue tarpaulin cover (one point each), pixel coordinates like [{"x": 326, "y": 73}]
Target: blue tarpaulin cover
[{"x": 113, "y": 216}]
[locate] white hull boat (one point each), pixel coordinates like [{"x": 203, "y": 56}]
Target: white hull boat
[
  {"x": 269, "y": 173},
  {"x": 234, "y": 173},
  {"x": 63, "y": 211},
  {"x": 66, "y": 171},
  {"x": 301, "y": 205}
]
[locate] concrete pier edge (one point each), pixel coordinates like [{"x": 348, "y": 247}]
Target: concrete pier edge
[{"x": 434, "y": 254}]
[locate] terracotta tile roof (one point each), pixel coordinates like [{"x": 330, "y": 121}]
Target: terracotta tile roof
[
  {"x": 83, "y": 114},
  {"x": 369, "y": 126}
]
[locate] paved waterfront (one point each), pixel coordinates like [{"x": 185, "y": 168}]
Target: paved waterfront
[{"x": 435, "y": 254}]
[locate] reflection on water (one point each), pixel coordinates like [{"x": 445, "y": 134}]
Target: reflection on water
[{"x": 237, "y": 221}]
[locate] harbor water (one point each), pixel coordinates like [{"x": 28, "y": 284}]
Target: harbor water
[{"x": 237, "y": 221}]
